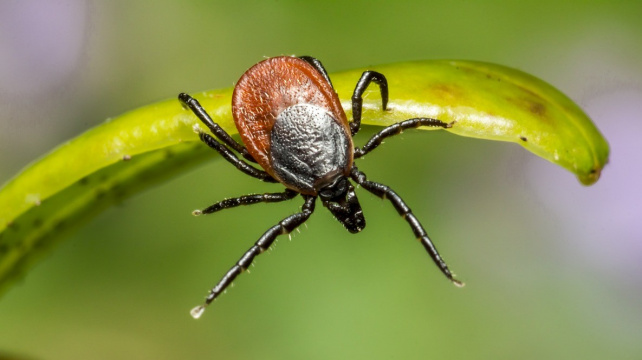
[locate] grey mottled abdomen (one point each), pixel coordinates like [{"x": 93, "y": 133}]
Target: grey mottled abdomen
[{"x": 308, "y": 147}]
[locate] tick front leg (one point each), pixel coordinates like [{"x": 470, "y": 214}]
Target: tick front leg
[
  {"x": 385, "y": 192},
  {"x": 285, "y": 226},
  {"x": 218, "y": 131},
  {"x": 396, "y": 129}
]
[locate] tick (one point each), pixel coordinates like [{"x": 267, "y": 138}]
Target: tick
[{"x": 292, "y": 125}]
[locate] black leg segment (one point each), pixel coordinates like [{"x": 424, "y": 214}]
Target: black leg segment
[
  {"x": 385, "y": 192},
  {"x": 285, "y": 226},
  {"x": 357, "y": 96},
  {"x": 218, "y": 131},
  {"x": 396, "y": 129},
  {"x": 317, "y": 65},
  {"x": 248, "y": 200},
  {"x": 234, "y": 160}
]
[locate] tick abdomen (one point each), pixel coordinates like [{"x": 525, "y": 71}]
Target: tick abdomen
[{"x": 309, "y": 147}]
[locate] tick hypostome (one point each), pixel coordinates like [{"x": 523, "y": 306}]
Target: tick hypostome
[{"x": 292, "y": 124}]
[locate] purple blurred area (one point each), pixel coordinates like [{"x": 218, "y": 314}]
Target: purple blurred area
[
  {"x": 603, "y": 222},
  {"x": 43, "y": 44},
  {"x": 43, "y": 59}
]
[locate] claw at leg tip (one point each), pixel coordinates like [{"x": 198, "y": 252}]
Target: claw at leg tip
[{"x": 197, "y": 312}]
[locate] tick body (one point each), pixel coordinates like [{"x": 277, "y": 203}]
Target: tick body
[{"x": 292, "y": 124}]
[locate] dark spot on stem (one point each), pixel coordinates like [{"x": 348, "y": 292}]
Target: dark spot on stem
[
  {"x": 533, "y": 106},
  {"x": 118, "y": 192},
  {"x": 59, "y": 225},
  {"x": 127, "y": 157},
  {"x": 37, "y": 222},
  {"x": 447, "y": 91},
  {"x": 537, "y": 108},
  {"x": 523, "y": 138},
  {"x": 491, "y": 77},
  {"x": 38, "y": 245},
  {"x": 100, "y": 194}
]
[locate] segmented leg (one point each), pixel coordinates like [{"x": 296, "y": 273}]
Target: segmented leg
[
  {"x": 248, "y": 200},
  {"x": 396, "y": 129},
  {"x": 385, "y": 192},
  {"x": 234, "y": 160},
  {"x": 357, "y": 101},
  {"x": 285, "y": 226},
  {"x": 317, "y": 65},
  {"x": 218, "y": 131}
]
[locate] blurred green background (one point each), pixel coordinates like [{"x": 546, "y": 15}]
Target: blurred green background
[{"x": 553, "y": 269}]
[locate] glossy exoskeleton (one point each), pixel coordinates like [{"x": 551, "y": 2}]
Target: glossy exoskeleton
[{"x": 292, "y": 124}]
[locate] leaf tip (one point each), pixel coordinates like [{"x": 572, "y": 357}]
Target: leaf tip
[{"x": 591, "y": 177}]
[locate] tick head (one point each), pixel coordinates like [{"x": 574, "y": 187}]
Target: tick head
[{"x": 339, "y": 197}]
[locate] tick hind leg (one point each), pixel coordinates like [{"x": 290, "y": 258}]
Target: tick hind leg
[
  {"x": 218, "y": 131},
  {"x": 385, "y": 192},
  {"x": 248, "y": 200},
  {"x": 285, "y": 226},
  {"x": 396, "y": 129}
]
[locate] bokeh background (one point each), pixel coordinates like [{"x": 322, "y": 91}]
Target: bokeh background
[{"x": 553, "y": 269}]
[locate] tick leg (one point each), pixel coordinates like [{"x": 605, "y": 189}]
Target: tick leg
[
  {"x": 285, "y": 226},
  {"x": 218, "y": 131},
  {"x": 317, "y": 65},
  {"x": 385, "y": 192},
  {"x": 232, "y": 158},
  {"x": 357, "y": 101},
  {"x": 248, "y": 200},
  {"x": 396, "y": 129}
]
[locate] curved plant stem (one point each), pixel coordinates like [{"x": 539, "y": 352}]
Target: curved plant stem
[{"x": 136, "y": 150}]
